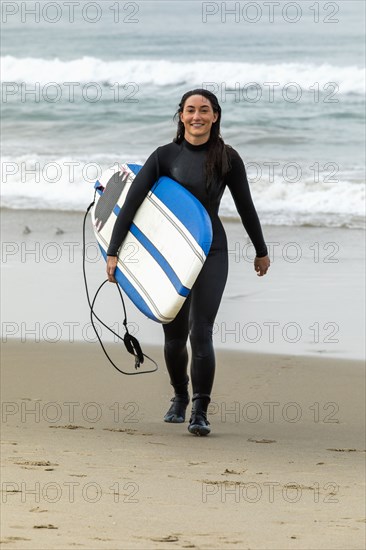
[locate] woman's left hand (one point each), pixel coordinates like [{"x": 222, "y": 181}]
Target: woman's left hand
[{"x": 261, "y": 265}]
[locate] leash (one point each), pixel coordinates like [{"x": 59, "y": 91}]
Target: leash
[{"x": 131, "y": 343}]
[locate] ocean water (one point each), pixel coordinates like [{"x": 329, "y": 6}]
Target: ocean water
[{"x": 86, "y": 85}]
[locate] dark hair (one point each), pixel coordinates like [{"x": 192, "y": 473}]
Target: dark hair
[{"x": 217, "y": 161}]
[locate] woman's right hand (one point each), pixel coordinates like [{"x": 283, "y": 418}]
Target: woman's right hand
[{"x": 111, "y": 268}]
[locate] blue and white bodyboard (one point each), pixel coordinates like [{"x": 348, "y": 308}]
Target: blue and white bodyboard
[{"x": 165, "y": 247}]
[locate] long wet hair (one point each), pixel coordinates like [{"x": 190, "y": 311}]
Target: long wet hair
[{"x": 217, "y": 160}]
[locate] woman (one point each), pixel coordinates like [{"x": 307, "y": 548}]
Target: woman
[{"x": 199, "y": 160}]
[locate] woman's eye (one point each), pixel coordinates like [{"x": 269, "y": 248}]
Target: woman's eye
[{"x": 190, "y": 111}]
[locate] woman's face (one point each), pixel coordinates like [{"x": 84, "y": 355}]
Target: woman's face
[{"x": 197, "y": 117}]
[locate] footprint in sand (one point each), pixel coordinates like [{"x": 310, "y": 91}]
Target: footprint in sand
[
  {"x": 347, "y": 450},
  {"x": 11, "y": 491},
  {"x": 11, "y": 539},
  {"x": 227, "y": 471},
  {"x": 252, "y": 440},
  {"x": 72, "y": 427},
  {"x": 168, "y": 538},
  {"x": 29, "y": 464},
  {"x": 128, "y": 431},
  {"x": 225, "y": 482}
]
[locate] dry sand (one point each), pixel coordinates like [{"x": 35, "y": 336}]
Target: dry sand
[{"x": 87, "y": 461}]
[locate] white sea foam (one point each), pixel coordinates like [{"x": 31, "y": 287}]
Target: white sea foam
[
  {"x": 350, "y": 79},
  {"x": 67, "y": 184},
  {"x": 339, "y": 203}
]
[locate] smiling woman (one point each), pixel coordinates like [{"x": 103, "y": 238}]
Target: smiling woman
[
  {"x": 199, "y": 160},
  {"x": 197, "y": 118}
]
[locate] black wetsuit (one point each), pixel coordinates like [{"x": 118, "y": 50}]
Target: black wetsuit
[{"x": 185, "y": 163}]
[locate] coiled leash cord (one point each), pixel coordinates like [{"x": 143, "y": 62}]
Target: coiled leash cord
[{"x": 131, "y": 343}]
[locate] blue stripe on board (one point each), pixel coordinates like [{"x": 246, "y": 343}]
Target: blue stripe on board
[
  {"x": 96, "y": 185},
  {"x": 131, "y": 292},
  {"x": 195, "y": 219},
  {"x": 135, "y": 168},
  {"x": 159, "y": 258}
]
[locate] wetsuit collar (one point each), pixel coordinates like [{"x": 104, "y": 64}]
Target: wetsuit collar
[{"x": 191, "y": 147}]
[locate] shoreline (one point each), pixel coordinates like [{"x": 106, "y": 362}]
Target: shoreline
[
  {"x": 38, "y": 340},
  {"x": 224, "y": 218},
  {"x": 302, "y": 306}
]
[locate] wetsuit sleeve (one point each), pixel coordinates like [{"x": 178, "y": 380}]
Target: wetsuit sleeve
[
  {"x": 237, "y": 182},
  {"x": 142, "y": 183}
]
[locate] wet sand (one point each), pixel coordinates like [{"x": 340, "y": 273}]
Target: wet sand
[{"x": 310, "y": 303}]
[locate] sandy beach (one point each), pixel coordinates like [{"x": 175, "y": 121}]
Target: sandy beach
[
  {"x": 89, "y": 463},
  {"x": 87, "y": 460}
]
